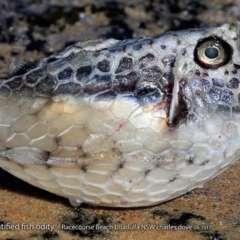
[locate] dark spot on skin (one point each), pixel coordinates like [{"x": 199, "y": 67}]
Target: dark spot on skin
[
  {"x": 235, "y": 71},
  {"x": 120, "y": 165},
  {"x": 239, "y": 97},
  {"x": 104, "y": 65},
  {"x": 15, "y": 83},
  {"x": 173, "y": 179},
  {"x": 197, "y": 72},
  {"x": 97, "y": 84},
  {"x": 68, "y": 88},
  {"x": 228, "y": 97},
  {"x": 236, "y": 109},
  {"x": 146, "y": 172},
  {"x": 198, "y": 93},
  {"x": 137, "y": 47},
  {"x": 152, "y": 97},
  {"x": 226, "y": 72},
  {"x": 34, "y": 76},
  {"x": 84, "y": 167},
  {"x": 218, "y": 82},
  {"x": 204, "y": 162},
  {"x": 51, "y": 59},
  {"x": 215, "y": 94},
  {"x": 46, "y": 85},
  {"x": 97, "y": 53},
  {"x": 205, "y": 84},
  {"x": 45, "y": 155},
  {"x": 125, "y": 83},
  {"x": 190, "y": 160},
  {"x": 169, "y": 61},
  {"x": 146, "y": 87},
  {"x": 70, "y": 57},
  {"x": 163, "y": 47},
  {"x": 83, "y": 72},
  {"x": 146, "y": 58},
  {"x": 192, "y": 117},
  {"x": 233, "y": 83},
  {"x": 166, "y": 82},
  {"x": 236, "y": 66},
  {"x": 184, "y": 52},
  {"x": 205, "y": 74},
  {"x": 124, "y": 64},
  {"x": 117, "y": 49},
  {"x": 65, "y": 74},
  {"x": 152, "y": 72}
]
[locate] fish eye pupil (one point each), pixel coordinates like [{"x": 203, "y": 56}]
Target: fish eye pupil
[{"x": 211, "y": 52}]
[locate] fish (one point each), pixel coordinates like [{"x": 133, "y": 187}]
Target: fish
[{"x": 126, "y": 123}]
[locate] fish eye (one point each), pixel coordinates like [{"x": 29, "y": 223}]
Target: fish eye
[{"x": 212, "y": 52}]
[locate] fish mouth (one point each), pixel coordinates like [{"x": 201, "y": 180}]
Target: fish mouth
[
  {"x": 178, "y": 106},
  {"x": 174, "y": 106},
  {"x": 178, "y": 111}
]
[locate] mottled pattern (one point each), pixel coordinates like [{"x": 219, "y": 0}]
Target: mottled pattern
[{"x": 124, "y": 123}]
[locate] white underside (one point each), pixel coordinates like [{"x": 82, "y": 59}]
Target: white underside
[{"x": 115, "y": 153}]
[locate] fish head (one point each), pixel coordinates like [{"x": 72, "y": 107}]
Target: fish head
[{"x": 206, "y": 73}]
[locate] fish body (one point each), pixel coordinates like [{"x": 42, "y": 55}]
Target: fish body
[{"x": 125, "y": 123}]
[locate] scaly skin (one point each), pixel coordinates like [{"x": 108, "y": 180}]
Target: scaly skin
[{"x": 125, "y": 123}]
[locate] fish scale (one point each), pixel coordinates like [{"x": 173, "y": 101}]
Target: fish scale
[{"x": 125, "y": 123}]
